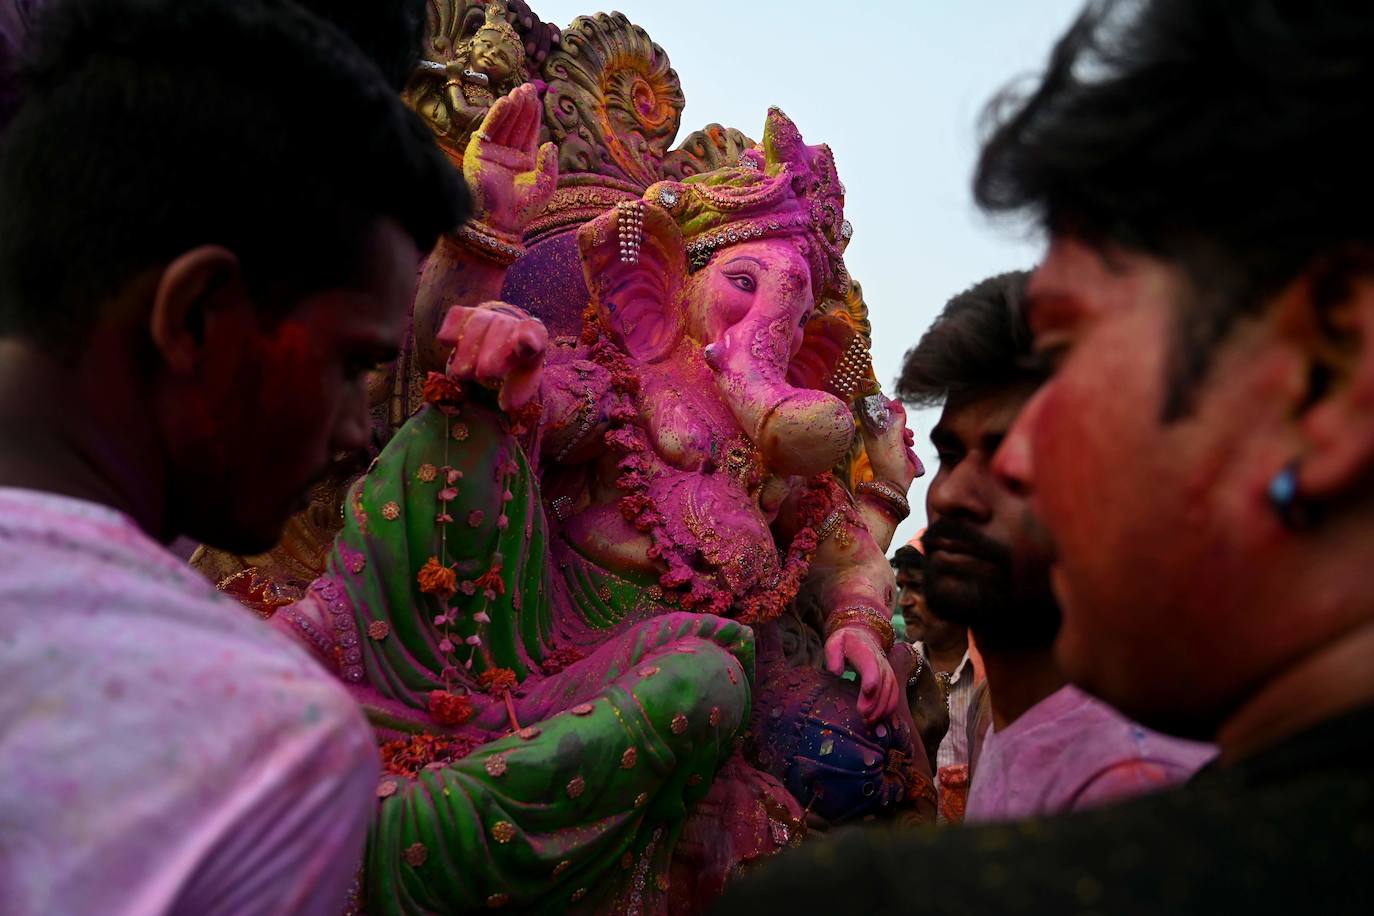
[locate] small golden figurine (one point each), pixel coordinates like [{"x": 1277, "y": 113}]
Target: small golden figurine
[{"x": 483, "y": 68}]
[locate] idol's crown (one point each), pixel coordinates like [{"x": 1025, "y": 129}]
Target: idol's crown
[{"x": 780, "y": 187}]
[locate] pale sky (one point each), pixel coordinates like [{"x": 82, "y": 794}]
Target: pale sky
[{"x": 896, "y": 89}]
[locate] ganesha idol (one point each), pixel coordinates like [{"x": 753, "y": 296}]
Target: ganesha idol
[{"x": 598, "y": 593}]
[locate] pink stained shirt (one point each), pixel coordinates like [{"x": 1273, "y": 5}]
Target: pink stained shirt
[
  {"x": 1070, "y": 752},
  {"x": 162, "y": 750}
]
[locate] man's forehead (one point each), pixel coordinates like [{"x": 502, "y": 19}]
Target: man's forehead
[
  {"x": 980, "y": 413},
  {"x": 349, "y": 307},
  {"x": 1069, "y": 267},
  {"x": 357, "y": 316},
  {"x": 1076, "y": 275}
]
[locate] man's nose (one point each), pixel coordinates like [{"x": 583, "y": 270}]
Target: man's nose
[{"x": 961, "y": 491}]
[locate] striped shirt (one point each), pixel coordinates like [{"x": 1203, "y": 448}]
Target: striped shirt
[{"x": 962, "y": 680}]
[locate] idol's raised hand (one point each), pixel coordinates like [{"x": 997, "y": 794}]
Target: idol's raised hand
[{"x": 511, "y": 176}]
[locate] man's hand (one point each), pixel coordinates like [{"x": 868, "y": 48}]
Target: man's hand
[
  {"x": 497, "y": 346},
  {"x": 878, "y": 685},
  {"x": 511, "y": 176}
]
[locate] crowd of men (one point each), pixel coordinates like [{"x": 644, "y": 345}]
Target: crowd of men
[
  {"x": 1143, "y": 587},
  {"x": 1022, "y": 740}
]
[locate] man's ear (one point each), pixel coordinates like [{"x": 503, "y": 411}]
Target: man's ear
[
  {"x": 190, "y": 286},
  {"x": 1336, "y": 332}
]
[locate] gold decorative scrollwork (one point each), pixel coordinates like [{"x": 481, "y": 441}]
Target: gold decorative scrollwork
[
  {"x": 614, "y": 103},
  {"x": 706, "y": 150}
]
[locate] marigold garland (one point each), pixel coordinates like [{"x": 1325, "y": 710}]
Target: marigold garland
[
  {"x": 526, "y": 418},
  {"x": 559, "y": 659},
  {"x": 449, "y": 708},
  {"x": 497, "y": 681},
  {"x": 821, "y": 494},
  {"x": 408, "y": 756},
  {"x": 441, "y": 390},
  {"x": 491, "y": 582},
  {"x": 437, "y": 579}
]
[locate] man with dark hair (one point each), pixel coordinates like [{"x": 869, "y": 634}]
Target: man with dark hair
[
  {"x": 1203, "y": 458},
  {"x": 389, "y": 33},
  {"x": 906, "y": 563},
  {"x": 192, "y": 289},
  {"x": 1052, "y": 747},
  {"x": 944, "y": 646}
]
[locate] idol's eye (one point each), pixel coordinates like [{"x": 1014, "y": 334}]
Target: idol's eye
[{"x": 742, "y": 281}]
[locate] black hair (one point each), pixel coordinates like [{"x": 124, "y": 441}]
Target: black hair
[
  {"x": 149, "y": 127},
  {"x": 16, "y": 17},
  {"x": 1222, "y": 136},
  {"x": 980, "y": 342},
  {"x": 389, "y": 32},
  {"x": 908, "y": 557}
]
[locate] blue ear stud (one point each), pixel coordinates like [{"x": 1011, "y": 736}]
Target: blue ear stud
[
  {"x": 1283, "y": 489},
  {"x": 1283, "y": 498}
]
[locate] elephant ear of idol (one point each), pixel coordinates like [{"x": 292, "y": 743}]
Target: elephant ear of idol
[{"x": 634, "y": 262}]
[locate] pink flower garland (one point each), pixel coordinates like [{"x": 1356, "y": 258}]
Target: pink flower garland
[{"x": 697, "y": 591}]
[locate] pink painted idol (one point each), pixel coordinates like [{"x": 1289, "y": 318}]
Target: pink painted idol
[{"x": 598, "y": 591}]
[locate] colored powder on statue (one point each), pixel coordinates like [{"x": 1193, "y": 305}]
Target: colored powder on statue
[{"x": 408, "y": 756}]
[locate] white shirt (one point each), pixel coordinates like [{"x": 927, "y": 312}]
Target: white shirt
[
  {"x": 953, "y": 747},
  {"x": 162, "y": 750}
]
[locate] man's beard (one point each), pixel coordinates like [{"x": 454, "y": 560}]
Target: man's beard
[{"x": 1009, "y": 607}]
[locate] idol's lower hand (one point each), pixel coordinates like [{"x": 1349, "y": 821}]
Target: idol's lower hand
[{"x": 863, "y": 651}]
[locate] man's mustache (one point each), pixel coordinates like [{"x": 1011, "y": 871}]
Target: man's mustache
[{"x": 955, "y": 536}]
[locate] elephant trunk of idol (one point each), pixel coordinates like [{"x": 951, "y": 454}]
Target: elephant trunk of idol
[{"x": 798, "y": 431}]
